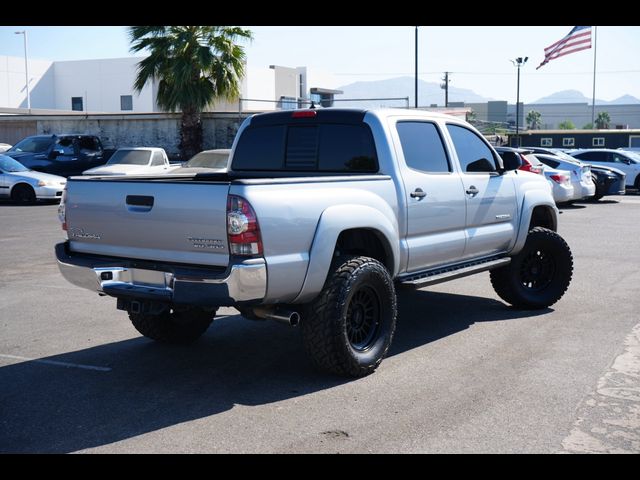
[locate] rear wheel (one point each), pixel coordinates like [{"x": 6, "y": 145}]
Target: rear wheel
[
  {"x": 348, "y": 328},
  {"x": 538, "y": 276},
  {"x": 177, "y": 327},
  {"x": 23, "y": 194},
  {"x": 599, "y": 190}
]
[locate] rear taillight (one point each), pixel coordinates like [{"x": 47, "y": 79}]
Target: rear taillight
[
  {"x": 560, "y": 178},
  {"x": 528, "y": 167},
  {"x": 62, "y": 210},
  {"x": 242, "y": 228}
]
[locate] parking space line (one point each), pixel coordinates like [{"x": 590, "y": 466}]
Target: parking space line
[{"x": 57, "y": 364}]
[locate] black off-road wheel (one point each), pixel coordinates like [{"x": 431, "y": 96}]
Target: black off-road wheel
[
  {"x": 539, "y": 275},
  {"x": 174, "y": 327},
  {"x": 348, "y": 328},
  {"x": 24, "y": 194}
]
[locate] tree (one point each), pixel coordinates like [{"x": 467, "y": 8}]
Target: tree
[
  {"x": 194, "y": 66},
  {"x": 566, "y": 125},
  {"x": 603, "y": 120},
  {"x": 534, "y": 120},
  {"x": 588, "y": 126}
]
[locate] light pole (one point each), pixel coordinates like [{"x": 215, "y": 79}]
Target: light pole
[
  {"x": 518, "y": 62},
  {"x": 26, "y": 67},
  {"x": 416, "y": 79}
]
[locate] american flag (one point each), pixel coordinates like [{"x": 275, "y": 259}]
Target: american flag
[{"x": 579, "y": 38}]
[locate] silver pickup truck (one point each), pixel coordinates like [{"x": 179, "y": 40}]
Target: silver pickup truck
[{"x": 319, "y": 217}]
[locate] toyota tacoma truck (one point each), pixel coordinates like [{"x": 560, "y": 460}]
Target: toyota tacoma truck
[{"x": 320, "y": 216}]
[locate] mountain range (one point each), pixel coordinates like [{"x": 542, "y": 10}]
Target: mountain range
[
  {"x": 430, "y": 93},
  {"x": 574, "y": 96}
]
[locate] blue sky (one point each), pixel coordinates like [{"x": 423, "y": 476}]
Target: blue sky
[{"x": 477, "y": 56}]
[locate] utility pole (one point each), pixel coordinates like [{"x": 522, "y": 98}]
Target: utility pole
[
  {"x": 416, "y": 76},
  {"x": 445, "y": 86},
  {"x": 518, "y": 62}
]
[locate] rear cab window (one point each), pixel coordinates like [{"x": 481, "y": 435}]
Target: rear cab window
[{"x": 329, "y": 142}]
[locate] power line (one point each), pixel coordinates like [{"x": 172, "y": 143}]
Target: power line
[{"x": 363, "y": 74}]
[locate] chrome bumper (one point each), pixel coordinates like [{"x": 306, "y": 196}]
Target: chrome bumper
[{"x": 241, "y": 282}]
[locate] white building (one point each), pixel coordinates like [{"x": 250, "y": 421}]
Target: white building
[
  {"x": 106, "y": 86},
  {"x": 80, "y": 85}
]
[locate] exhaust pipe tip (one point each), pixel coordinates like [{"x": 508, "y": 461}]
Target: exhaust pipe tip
[{"x": 288, "y": 317}]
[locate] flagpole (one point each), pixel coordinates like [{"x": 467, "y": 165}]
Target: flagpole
[{"x": 593, "y": 98}]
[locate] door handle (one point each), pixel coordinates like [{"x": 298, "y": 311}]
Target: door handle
[
  {"x": 418, "y": 193},
  {"x": 472, "y": 190}
]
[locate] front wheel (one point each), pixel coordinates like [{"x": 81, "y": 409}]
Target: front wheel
[
  {"x": 177, "y": 327},
  {"x": 24, "y": 194},
  {"x": 539, "y": 275},
  {"x": 350, "y": 325}
]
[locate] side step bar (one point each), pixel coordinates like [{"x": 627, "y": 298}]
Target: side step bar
[{"x": 439, "y": 275}]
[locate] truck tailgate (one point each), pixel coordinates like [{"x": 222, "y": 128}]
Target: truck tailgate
[{"x": 181, "y": 222}]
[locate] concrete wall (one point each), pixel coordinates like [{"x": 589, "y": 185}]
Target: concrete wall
[
  {"x": 133, "y": 130},
  {"x": 100, "y": 83}
]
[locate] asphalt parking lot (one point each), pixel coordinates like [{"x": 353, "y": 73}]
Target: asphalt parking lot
[{"x": 465, "y": 373}]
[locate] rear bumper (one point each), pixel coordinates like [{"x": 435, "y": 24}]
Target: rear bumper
[{"x": 243, "y": 281}]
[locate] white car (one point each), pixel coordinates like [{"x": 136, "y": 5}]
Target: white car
[
  {"x": 4, "y": 147},
  {"x": 133, "y": 161},
  {"x": 207, "y": 161},
  {"x": 580, "y": 173},
  {"x": 561, "y": 186},
  {"x": 22, "y": 185},
  {"x": 628, "y": 162}
]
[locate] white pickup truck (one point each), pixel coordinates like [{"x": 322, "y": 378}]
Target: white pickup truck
[
  {"x": 320, "y": 215},
  {"x": 134, "y": 161}
]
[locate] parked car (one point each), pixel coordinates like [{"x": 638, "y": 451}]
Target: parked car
[
  {"x": 521, "y": 159},
  {"x": 579, "y": 173},
  {"x": 134, "y": 161},
  {"x": 207, "y": 161},
  {"x": 608, "y": 181},
  {"x": 561, "y": 187},
  {"x": 4, "y": 147},
  {"x": 22, "y": 185},
  {"x": 63, "y": 155},
  {"x": 628, "y": 162},
  {"x": 320, "y": 214}
]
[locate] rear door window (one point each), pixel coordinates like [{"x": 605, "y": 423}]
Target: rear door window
[{"x": 422, "y": 147}]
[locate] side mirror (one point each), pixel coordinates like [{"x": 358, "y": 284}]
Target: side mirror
[
  {"x": 626, "y": 161},
  {"x": 53, "y": 154}
]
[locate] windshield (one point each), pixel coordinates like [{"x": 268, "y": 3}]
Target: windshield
[
  {"x": 633, "y": 156},
  {"x": 130, "y": 157},
  {"x": 8, "y": 164},
  {"x": 32, "y": 145},
  {"x": 209, "y": 160}
]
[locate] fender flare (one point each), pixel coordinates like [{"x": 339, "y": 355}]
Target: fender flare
[
  {"x": 333, "y": 221},
  {"x": 531, "y": 200}
]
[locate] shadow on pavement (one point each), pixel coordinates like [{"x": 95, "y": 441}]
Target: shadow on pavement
[{"x": 46, "y": 408}]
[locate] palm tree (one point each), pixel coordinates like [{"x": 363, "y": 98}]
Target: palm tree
[
  {"x": 566, "y": 125},
  {"x": 194, "y": 66},
  {"x": 534, "y": 120},
  {"x": 602, "y": 120}
]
